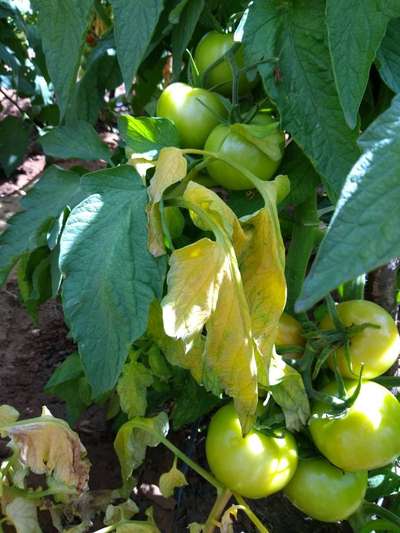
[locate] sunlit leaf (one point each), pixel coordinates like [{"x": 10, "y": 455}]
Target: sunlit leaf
[
  {"x": 205, "y": 289},
  {"x": 174, "y": 349},
  {"x": 262, "y": 267}
]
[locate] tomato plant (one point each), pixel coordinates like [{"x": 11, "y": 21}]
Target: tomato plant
[
  {"x": 181, "y": 230},
  {"x": 376, "y": 348},
  {"x": 325, "y": 492},
  {"x": 367, "y": 436},
  {"x": 195, "y": 112},
  {"x": 238, "y": 145}
]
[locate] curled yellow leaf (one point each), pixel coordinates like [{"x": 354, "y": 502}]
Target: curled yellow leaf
[{"x": 171, "y": 167}]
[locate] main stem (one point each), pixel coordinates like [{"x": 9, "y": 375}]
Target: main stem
[
  {"x": 305, "y": 231},
  {"x": 217, "y": 510}
]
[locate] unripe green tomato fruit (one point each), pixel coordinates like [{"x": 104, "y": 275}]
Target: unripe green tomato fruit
[
  {"x": 239, "y": 150},
  {"x": 211, "y": 47},
  {"x": 255, "y": 465},
  {"x": 367, "y": 436},
  {"x": 325, "y": 492},
  {"x": 181, "y": 104},
  {"x": 175, "y": 221},
  {"x": 289, "y": 333},
  {"x": 376, "y": 348}
]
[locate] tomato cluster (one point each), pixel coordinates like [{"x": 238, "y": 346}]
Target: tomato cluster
[
  {"x": 366, "y": 436},
  {"x": 202, "y": 121}
]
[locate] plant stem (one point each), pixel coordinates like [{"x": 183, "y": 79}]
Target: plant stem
[
  {"x": 304, "y": 235},
  {"x": 217, "y": 510},
  {"x": 194, "y": 466},
  {"x": 252, "y": 516}
]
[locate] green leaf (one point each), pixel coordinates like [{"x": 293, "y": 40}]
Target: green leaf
[
  {"x": 191, "y": 402},
  {"x": 104, "y": 251},
  {"x": 101, "y": 72},
  {"x": 364, "y": 231},
  {"x": 388, "y": 56},
  {"x": 355, "y": 31},
  {"x": 76, "y": 140},
  {"x": 147, "y": 135},
  {"x": 133, "y": 438},
  {"x": 190, "y": 12},
  {"x": 62, "y": 26},
  {"x": 14, "y": 139},
  {"x": 132, "y": 388},
  {"x": 302, "y": 175},
  {"x": 34, "y": 279},
  {"x": 287, "y": 388},
  {"x": 134, "y": 24},
  {"x": 43, "y": 203},
  {"x": 301, "y": 82},
  {"x": 70, "y": 385},
  {"x": 70, "y": 369}
]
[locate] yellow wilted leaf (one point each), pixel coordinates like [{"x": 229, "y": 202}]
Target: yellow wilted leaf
[
  {"x": 194, "y": 279},
  {"x": 263, "y": 272},
  {"x": 174, "y": 349},
  {"x": 22, "y": 513},
  {"x": 171, "y": 167},
  {"x": 217, "y": 210},
  {"x": 229, "y": 350},
  {"x": 228, "y": 517},
  {"x": 205, "y": 289},
  {"x": 48, "y": 446},
  {"x": 171, "y": 480}
]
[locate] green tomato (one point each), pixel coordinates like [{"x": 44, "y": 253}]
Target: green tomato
[
  {"x": 240, "y": 150},
  {"x": 194, "y": 121},
  {"x": 289, "y": 333},
  {"x": 211, "y": 47},
  {"x": 175, "y": 221},
  {"x": 254, "y": 465},
  {"x": 377, "y": 348},
  {"x": 325, "y": 492},
  {"x": 367, "y": 436}
]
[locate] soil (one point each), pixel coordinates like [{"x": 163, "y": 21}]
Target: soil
[{"x": 30, "y": 352}]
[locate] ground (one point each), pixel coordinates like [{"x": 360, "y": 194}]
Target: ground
[{"x": 30, "y": 352}]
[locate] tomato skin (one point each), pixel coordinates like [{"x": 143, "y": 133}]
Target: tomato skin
[
  {"x": 325, "y": 492},
  {"x": 175, "y": 221},
  {"x": 378, "y": 349},
  {"x": 367, "y": 436},
  {"x": 211, "y": 47},
  {"x": 180, "y": 104},
  {"x": 255, "y": 465},
  {"x": 239, "y": 150},
  {"x": 289, "y": 332}
]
